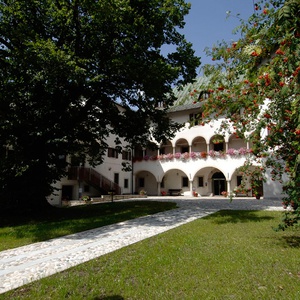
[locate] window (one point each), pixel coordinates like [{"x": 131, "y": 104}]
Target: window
[
  {"x": 126, "y": 183},
  {"x": 160, "y": 104},
  {"x": 138, "y": 152},
  {"x": 86, "y": 188},
  {"x": 126, "y": 155},
  {"x": 200, "y": 182},
  {"x": 203, "y": 95},
  {"x": 239, "y": 180},
  {"x": 112, "y": 152},
  {"x": 194, "y": 119},
  {"x": 185, "y": 182},
  {"x": 116, "y": 178}
]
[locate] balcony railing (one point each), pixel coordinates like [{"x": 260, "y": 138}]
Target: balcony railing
[{"x": 234, "y": 153}]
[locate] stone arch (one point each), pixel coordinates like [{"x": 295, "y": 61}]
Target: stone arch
[
  {"x": 199, "y": 144},
  {"x": 175, "y": 179},
  {"x": 240, "y": 183},
  {"x": 145, "y": 180},
  {"x": 166, "y": 148},
  {"x": 217, "y": 143},
  {"x": 236, "y": 143},
  {"x": 181, "y": 146},
  {"x": 209, "y": 181},
  {"x": 151, "y": 149}
]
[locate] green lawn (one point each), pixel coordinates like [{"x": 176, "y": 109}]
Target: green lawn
[
  {"x": 227, "y": 255},
  {"x": 18, "y": 229}
]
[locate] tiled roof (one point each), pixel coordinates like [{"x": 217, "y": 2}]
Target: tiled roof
[
  {"x": 183, "y": 94},
  {"x": 185, "y": 107}
]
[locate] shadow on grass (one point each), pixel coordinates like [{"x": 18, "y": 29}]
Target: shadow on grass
[
  {"x": 114, "y": 297},
  {"x": 237, "y": 216},
  {"x": 57, "y": 222},
  {"x": 292, "y": 241}
]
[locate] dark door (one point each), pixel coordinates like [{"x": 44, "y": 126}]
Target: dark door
[
  {"x": 219, "y": 183},
  {"x": 219, "y": 186},
  {"x": 67, "y": 192}
]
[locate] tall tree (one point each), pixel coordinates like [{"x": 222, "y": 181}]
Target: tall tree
[
  {"x": 63, "y": 66},
  {"x": 255, "y": 84}
]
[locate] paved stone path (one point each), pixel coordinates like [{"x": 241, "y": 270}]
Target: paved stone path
[{"x": 25, "y": 264}]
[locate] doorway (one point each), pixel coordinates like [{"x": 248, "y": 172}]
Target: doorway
[
  {"x": 219, "y": 183},
  {"x": 67, "y": 192}
]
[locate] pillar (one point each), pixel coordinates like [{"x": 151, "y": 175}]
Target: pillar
[
  {"x": 228, "y": 187},
  {"x": 158, "y": 188},
  {"x": 191, "y": 187}
]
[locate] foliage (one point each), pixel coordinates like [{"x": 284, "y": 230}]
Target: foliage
[
  {"x": 86, "y": 199},
  {"x": 255, "y": 84},
  {"x": 63, "y": 67}
]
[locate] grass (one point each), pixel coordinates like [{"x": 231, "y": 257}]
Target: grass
[
  {"x": 227, "y": 255},
  {"x": 22, "y": 229}
]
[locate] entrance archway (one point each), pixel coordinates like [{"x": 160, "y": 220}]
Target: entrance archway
[{"x": 218, "y": 183}]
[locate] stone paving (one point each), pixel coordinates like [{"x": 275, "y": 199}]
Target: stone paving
[{"x": 25, "y": 264}]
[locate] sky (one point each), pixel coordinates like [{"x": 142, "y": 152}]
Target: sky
[{"x": 206, "y": 23}]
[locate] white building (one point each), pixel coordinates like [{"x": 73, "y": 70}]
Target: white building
[{"x": 196, "y": 162}]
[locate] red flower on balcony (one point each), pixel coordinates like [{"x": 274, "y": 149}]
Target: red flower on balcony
[{"x": 203, "y": 154}]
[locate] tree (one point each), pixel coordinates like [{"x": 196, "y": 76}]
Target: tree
[
  {"x": 63, "y": 67},
  {"x": 255, "y": 84}
]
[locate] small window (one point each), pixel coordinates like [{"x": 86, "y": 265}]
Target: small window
[
  {"x": 203, "y": 95},
  {"x": 160, "y": 104},
  {"x": 126, "y": 155},
  {"x": 200, "y": 182},
  {"x": 185, "y": 182},
  {"x": 138, "y": 152},
  {"x": 195, "y": 119},
  {"x": 239, "y": 180},
  {"x": 116, "y": 178},
  {"x": 112, "y": 152}
]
